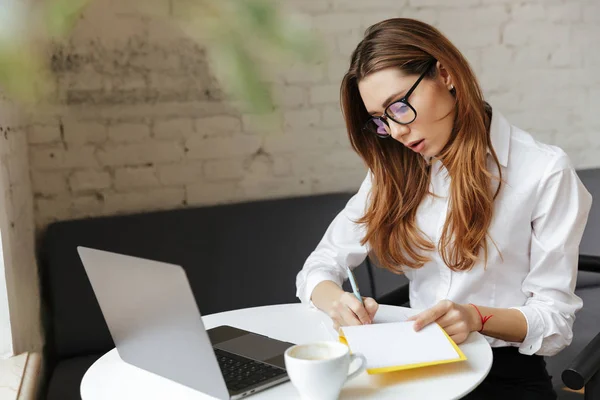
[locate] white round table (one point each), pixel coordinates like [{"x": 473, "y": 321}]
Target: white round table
[{"x": 111, "y": 378}]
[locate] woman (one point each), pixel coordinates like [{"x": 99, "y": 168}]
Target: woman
[{"x": 484, "y": 220}]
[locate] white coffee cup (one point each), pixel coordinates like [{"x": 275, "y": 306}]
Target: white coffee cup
[{"x": 319, "y": 370}]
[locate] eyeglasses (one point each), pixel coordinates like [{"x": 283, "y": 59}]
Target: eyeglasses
[{"x": 399, "y": 111}]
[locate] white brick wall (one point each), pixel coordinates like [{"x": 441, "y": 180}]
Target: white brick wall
[{"x": 139, "y": 123}]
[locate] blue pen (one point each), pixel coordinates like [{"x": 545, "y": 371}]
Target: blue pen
[{"x": 354, "y": 285}]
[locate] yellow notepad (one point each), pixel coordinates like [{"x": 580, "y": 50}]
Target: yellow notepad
[{"x": 395, "y": 346}]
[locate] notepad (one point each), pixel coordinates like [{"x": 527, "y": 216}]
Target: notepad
[{"x": 396, "y": 346}]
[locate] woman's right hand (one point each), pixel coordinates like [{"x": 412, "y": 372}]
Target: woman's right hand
[{"x": 347, "y": 310}]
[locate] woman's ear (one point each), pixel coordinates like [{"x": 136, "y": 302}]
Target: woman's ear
[{"x": 445, "y": 77}]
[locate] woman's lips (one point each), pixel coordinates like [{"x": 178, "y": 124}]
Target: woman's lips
[{"x": 418, "y": 146}]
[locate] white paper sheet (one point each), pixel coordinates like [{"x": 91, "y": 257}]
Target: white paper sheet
[{"x": 397, "y": 343}]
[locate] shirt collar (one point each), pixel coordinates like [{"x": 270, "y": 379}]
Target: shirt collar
[{"x": 500, "y": 137}]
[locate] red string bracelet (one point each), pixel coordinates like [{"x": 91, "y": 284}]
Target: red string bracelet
[{"x": 483, "y": 319}]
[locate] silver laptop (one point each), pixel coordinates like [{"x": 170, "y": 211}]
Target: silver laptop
[{"x": 155, "y": 323}]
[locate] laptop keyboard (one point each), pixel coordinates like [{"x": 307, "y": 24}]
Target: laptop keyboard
[{"x": 241, "y": 372}]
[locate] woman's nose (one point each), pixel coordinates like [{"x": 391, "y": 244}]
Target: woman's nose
[{"x": 398, "y": 130}]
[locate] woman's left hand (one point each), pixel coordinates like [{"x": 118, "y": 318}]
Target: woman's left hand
[{"x": 458, "y": 320}]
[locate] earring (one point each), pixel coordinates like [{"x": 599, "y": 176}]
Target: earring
[{"x": 451, "y": 87}]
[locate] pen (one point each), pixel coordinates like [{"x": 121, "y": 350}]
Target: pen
[{"x": 354, "y": 285}]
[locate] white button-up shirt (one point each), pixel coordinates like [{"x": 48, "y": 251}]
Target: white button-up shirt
[{"x": 539, "y": 219}]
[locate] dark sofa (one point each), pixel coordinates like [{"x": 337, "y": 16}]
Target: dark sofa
[{"x": 236, "y": 256}]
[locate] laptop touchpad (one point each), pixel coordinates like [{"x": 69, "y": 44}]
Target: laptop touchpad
[{"x": 254, "y": 346}]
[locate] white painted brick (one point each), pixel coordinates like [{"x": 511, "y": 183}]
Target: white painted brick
[
  {"x": 585, "y": 157},
  {"x": 466, "y": 38},
  {"x": 535, "y": 33},
  {"x": 347, "y": 42},
  {"x": 225, "y": 169},
  {"x": 146, "y": 200},
  {"x": 299, "y": 119},
  {"x": 485, "y": 2},
  {"x": 282, "y": 165},
  {"x": 536, "y": 79},
  {"x": 218, "y": 125},
  {"x": 208, "y": 193},
  {"x": 591, "y": 12},
  {"x": 505, "y": 102},
  {"x": 336, "y": 22},
  {"x": 368, "y": 19},
  {"x": 427, "y": 15},
  {"x": 130, "y": 81},
  {"x": 594, "y": 98},
  {"x": 173, "y": 128},
  {"x": 18, "y": 169},
  {"x": 454, "y": 3},
  {"x": 38, "y": 134},
  {"x": 539, "y": 99},
  {"x": 496, "y": 58},
  {"x": 343, "y": 159},
  {"x": 258, "y": 166},
  {"x": 592, "y": 133},
  {"x": 313, "y": 164},
  {"x": 53, "y": 208},
  {"x": 365, "y": 6},
  {"x": 311, "y": 6},
  {"x": 84, "y": 132},
  {"x": 301, "y": 73},
  {"x": 329, "y": 45},
  {"x": 574, "y": 139},
  {"x": 336, "y": 69},
  {"x": 528, "y": 12},
  {"x": 140, "y": 153},
  {"x": 585, "y": 36},
  {"x": 479, "y": 17},
  {"x": 128, "y": 132},
  {"x": 136, "y": 177},
  {"x": 339, "y": 182},
  {"x": 591, "y": 59},
  {"x": 566, "y": 56},
  {"x": 86, "y": 206},
  {"x": 85, "y": 79},
  {"x": 290, "y": 96},
  {"x": 537, "y": 120},
  {"x": 272, "y": 188},
  {"x": 49, "y": 183},
  {"x": 181, "y": 173},
  {"x": 300, "y": 141},
  {"x": 325, "y": 94},
  {"x": 219, "y": 147},
  {"x": 57, "y": 157},
  {"x": 165, "y": 83},
  {"x": 149, "y": 7},
  {"x": 533, "y": 56},
  {"x": 332, "y": 117},
  {"x": 570, "y": 11},
  {"x": 522, "y": 52},
  {"x": 89, "y": 180},
  {"x": 106, "y": 28},
  {"x": 473, "y": 56},
  {"x": 262, "y": 123}
]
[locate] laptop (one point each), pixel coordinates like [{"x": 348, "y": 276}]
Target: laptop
[{"x": 155, "y": 323}]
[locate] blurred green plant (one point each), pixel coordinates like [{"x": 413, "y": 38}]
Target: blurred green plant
[{"x": 243, "y": 39}]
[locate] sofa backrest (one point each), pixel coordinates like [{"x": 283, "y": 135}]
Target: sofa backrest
[{"x": 236, "y": 256}]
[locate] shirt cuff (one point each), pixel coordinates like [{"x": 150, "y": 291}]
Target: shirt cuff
[
  {"x": 535, "y": 330},
  {"x": 313, "y": 279}
]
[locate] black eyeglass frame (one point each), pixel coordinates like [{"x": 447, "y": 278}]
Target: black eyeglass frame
[{"x": 403, "y": 100}]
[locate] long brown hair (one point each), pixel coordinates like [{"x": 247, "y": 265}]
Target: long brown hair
[{"x": 401, "y": 176}]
